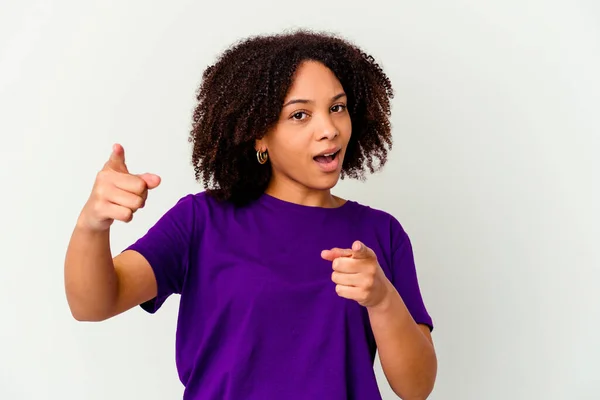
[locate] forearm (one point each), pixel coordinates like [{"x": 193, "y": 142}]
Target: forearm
[
  {"x": 407, "y": 356},
  {"x": 91, "y": 283}
]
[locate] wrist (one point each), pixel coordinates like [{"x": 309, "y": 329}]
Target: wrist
[
  {"x": 83, "y": 226},
  {"x": 387, "y": 300}
]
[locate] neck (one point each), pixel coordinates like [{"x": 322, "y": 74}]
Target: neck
[{"x": 299, "y": 194}]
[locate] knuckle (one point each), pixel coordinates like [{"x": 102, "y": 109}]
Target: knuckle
[
  {"x": 139, "y": 186},
  {"x": 139, "y": 202},
  {"x": 127, "y": 215},
  {"x": 100, "y": 191},
  {"x": 97, "y": 208},
  {"x": 103, "y": 175}
]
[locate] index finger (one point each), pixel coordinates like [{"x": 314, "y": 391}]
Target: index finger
[
  {"x": 116, "y": 160},
  {"x": 334, "y": 253}
]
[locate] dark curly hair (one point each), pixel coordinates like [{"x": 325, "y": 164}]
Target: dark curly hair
[{"x": 242, "y": 94}]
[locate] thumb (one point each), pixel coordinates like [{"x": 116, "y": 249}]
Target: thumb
[
  {"x": 360, "y": 250},
  {"x": 151, "y": 180},
  {"x": 117, "y": 159}
]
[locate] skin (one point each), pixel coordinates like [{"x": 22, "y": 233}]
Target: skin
[
  {"x": 313, "y": 120},
  {"x": 97, "y": 285},
  {"x": 406, "y": 349}
]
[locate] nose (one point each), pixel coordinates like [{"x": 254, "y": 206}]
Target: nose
[{"x": 327, "y": 130}]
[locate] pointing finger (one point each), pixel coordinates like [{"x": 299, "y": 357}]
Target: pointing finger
[
  {"x": 117, "y": 159},
  {"x": 334, "y": 253}
]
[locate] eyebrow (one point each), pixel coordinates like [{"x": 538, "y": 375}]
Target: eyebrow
[{"x": 303, "y": 101}]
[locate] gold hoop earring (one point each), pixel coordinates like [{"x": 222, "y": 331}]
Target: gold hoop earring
[{"x": 262, "y": 156}]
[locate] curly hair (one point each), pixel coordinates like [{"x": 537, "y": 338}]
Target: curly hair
[{"x": 241, "y": 98}]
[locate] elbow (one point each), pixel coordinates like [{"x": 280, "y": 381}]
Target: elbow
[
  {"x": 421, "y": 386},
  {"x": 86, "y": 317},
  {"x": 422, "y": 393},
  {"x": 79, "y": 317},
  {"x": 421, "y": 396},
  {"x": 84, "y": 313}
]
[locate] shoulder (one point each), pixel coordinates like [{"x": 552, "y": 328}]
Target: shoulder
[
  {"x": 199, "y": 202},
  {"x": 385, "y": 226},
  {"x": 376, "y": 217},
  {"x": 200, "y": 208}
]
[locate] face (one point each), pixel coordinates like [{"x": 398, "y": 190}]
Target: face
[{"x": 307, "y": 146}]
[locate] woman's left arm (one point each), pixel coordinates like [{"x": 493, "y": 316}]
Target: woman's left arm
[{"x": 406, "y": 349}]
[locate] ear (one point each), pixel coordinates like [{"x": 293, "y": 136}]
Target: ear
[{"x": 260, "y": 145}]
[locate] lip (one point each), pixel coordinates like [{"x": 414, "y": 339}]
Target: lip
[
  {"x": 333, "y": 165},
  {"x": 328, "y": 151}
]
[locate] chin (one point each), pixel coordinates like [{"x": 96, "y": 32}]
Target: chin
[{"x": 325, "y": 182}]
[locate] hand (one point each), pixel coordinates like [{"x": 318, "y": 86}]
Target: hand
[
  {"x": 358, "y": 275},
  {"x": 116, "y": 194}
]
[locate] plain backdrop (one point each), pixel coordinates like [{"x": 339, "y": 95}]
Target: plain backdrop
[{"x": 494, "y": 174}]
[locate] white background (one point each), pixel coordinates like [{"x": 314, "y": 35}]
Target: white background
[{"x": 494, "y": 174}]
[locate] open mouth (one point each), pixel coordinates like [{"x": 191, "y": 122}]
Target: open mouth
[{"x": 327, "y": 158}]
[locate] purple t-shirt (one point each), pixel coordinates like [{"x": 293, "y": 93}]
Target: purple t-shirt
[{"x": 259, "y": 316}]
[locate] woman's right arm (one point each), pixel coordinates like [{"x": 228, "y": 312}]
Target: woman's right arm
[{"x": 97, "y": 285}]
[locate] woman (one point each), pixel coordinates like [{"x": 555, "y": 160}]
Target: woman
[{"x": 286, "y": 290}]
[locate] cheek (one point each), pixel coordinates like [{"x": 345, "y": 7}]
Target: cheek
[
  {"x": 288, "y": 154},
  {"x": 345, "y": 137},
  {"x": 345, "y": 127}
]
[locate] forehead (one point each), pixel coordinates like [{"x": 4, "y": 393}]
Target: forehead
[{"x": 313, "y": 80}]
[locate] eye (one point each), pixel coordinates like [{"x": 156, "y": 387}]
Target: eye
[
  {"x": 298, "y": 116},
  {"x": 338, "y": 108}
]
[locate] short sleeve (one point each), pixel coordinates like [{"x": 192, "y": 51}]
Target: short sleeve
[
  {"x": 404, "y": 276},
  {"x": 166, "y": 247}
]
